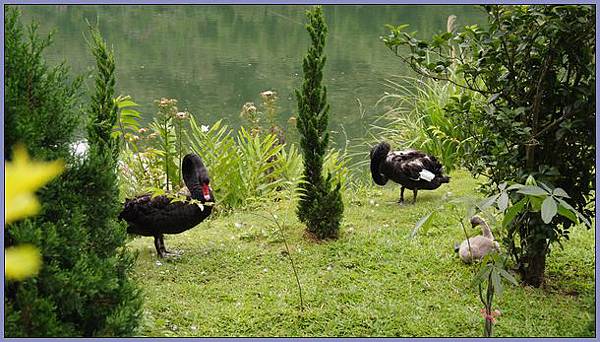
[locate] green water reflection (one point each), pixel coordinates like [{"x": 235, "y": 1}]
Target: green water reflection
[{"x": 213, "y": 59}]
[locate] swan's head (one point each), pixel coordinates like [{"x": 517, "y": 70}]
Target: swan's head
[
  {"x": 477, "y": 221},
  {"x": 207, "y": 192},
  {"x": 195, "y": 176}
]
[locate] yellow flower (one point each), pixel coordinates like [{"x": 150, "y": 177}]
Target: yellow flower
[
  {"x": 22, "y": 178},
  {"x": 21, "y": 262}
]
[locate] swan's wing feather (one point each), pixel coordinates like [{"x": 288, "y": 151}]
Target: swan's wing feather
[{"x": 159, "y": 211}]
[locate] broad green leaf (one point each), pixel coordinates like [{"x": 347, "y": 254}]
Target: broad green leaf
[
  {"x": 126, "y": 103},
  {"x": 487, "y": 259},
  {"x": 515, "y": 186},
  {"x": 563, "y": 211},
  {"x": 503, "y": 201},
  {"x": 560, "y": 193},
  {"x": 513, "y": 211},
  {"x": 530, "y": 181},
  {"x": 568, "y": 206},
  {"x": 549, "y": 209},
  {"x": 482, "y": 274},
  {"x": 508, "y": 276},
  {"x": 532, "y": 190},
  {"x": 157, "y": 192},
  {"x": 486, "y": 203},
  {"x": 496, "y": 282},
  {"x": 130, "y": 112},
  {"x": 423, "y": 222},
  {"x": 536, "y": 203},
  {"x": 470, "y": 212},
  {"x": 545, "y": 187},
  {"x": 129, "y": 121}
]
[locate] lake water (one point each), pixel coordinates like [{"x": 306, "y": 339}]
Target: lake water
[{"x": 213, "y": 59}]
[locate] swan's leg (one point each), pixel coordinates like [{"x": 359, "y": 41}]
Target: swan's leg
[
  {"x": 158, "y": 246},
  {"x": 401, "y": 200},
  {"x": 162, "y": 245},
  {"x": 414, "y": 195},
  {"x": 164, "y": 249}
]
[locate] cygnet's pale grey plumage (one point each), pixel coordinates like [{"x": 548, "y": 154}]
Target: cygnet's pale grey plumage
[{"x": 480, "y": 245}]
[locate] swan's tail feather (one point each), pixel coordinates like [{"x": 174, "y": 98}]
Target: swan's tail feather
[{"x": 444, "y": 179}]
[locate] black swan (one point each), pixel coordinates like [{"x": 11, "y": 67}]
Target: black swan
[
  {"x": 480, "y": 245},
  {"x": 411, "y": 169},
  {"x": 156, "y": 216}
]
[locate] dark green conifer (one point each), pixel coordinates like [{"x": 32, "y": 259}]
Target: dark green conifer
[
  {"x": 84, "y": 286},
  {"x": 320, "y": 206}
]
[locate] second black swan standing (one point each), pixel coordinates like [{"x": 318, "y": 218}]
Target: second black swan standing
[{"x": 155, "y": 216}]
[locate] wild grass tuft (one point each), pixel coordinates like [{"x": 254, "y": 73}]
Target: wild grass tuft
[{"x": 415, "y": 117}]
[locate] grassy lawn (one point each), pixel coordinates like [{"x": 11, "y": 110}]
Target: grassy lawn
[{"x": 234, "y": 279}]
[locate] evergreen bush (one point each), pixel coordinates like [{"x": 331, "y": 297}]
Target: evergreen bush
[
  {"x": 83, "y": 287},
  {"x": 320, "y": 206}
]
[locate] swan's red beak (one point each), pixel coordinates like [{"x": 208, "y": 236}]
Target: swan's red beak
[{"x": 206, "y": 191}]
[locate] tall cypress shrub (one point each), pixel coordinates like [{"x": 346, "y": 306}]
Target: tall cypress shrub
[
  {"x": 320, "y": 206},
  {"x": 83, "y": 287}
]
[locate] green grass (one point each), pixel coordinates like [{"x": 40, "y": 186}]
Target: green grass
[{"x": 236, "y": 280}]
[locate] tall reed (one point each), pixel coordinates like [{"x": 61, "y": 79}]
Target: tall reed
[{"x": 415, "y": 117}]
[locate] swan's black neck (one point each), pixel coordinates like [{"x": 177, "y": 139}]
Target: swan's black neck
[
  {"x": 196, "y": 191},
  {"x": 378, "y": 155}
]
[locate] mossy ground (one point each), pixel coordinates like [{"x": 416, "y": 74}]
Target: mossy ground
[{"x": 234, "y": 278}]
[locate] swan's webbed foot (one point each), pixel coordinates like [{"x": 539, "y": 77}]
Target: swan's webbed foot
[{"x": 170, "y": 253}]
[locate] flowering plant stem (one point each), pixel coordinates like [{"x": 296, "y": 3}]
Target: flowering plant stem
[
  {"x": 167, "y": 148},
  {"x": 179, "y": 124},
  {"x": 487, "y": 302}
]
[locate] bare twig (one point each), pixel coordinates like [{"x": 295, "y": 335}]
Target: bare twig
[
  {"x": 467, "y": 237},
  {"x": 289, "y": 254}
]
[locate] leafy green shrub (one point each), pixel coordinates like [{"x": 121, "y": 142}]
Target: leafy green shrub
[
  {"x": 250, "y": 168},
  {"x": 535, "y": 67},
  {"x": 83, "y": 287},
  {"x": 238, "y": 166},
  {"x": 519, "y": 201}
]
